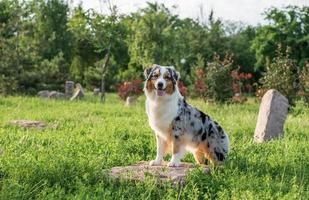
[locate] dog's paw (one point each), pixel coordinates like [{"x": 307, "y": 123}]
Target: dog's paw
[
  {"x": 155, "y": 163},
  {"x": 174, "y": 164}
]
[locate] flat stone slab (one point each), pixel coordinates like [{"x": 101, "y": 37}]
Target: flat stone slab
[
  {"x": 142, "y": 169},
  {"x": 28, "y": 123}
]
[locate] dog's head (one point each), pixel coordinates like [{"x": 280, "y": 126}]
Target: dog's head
[{"x": 161, "y": 81}]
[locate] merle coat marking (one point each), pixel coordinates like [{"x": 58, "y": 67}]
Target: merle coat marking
[{"x": 179, "y": 125}]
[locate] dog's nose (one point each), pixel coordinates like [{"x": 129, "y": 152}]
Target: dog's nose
[{"x": 160, "y": 85}]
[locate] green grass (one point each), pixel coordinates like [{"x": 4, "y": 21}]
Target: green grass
[{"x": 71, "y": 157}]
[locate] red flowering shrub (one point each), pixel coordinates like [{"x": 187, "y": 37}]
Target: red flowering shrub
[
  {"x": 240, "y": 82},
  {"x": 182, "y": 88},
  {"x": 199, "y": 85},
  {"x": 130, "y": 88}
]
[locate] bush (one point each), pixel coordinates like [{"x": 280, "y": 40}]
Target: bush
[
  {"x": 281, "y": 74},
  {"x": 182, "y": 88},
  {"x": 130, "y": 88},
  {"x": 8, "y": 85},
  {"x": 304, "y": 83},
  {"x": 218, "y": 79},
  {"x": 241, "y": 82},
  {"x": 198, "y": 78}
]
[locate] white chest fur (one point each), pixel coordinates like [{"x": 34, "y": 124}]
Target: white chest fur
[{"x": 161, "y": 115}]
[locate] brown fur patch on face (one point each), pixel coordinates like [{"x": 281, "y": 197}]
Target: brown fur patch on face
[
  {"x": 170, "y": 88},
  {"x": 150, "y": 85}
]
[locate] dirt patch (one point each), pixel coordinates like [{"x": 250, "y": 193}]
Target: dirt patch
[{"x": 28, "y": 123}]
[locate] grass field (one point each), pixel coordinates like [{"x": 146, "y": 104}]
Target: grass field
[{"x": 71, "y": 157}]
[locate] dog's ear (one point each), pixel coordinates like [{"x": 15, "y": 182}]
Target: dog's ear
[
  {"x": 147, "y": 72},
  {"x": 175, "y": 74}
]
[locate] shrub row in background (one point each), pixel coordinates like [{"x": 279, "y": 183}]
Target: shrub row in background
[{"x": 45, "y": 42}]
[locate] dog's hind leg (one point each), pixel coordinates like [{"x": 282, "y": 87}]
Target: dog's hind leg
[
  {"x": 216, "y": 151},
  {"x": 199, "y": 156}
]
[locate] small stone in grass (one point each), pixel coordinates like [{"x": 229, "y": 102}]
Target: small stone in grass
[
  {"x": 96, "y": 91},
  {"x": 56, "y": 95},
  {"x": 43, "y": 94}
]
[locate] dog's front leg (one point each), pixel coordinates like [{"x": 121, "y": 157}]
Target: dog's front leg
[
  {"x": 178, "y": 153},
  {"x": 161, "y": 148}
]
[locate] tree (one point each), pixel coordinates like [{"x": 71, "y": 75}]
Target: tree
[
  {"x": 10, "y": 13},
  {"x": 152, "y": 38},
  {"x": 288, "y": 27},
  {"x": 50, "y": 30},
  {"x": 239, "y": 40},
  {"x": 281, "y": 74},
  {"x": 84, "y": 52},
  {"x": 218, "y": 79}
]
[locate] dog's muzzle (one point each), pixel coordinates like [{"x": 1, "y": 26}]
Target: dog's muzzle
[{"x": 160, "y": 90}]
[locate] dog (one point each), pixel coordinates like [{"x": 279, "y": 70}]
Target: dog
[{"x": 179, "y": 125}]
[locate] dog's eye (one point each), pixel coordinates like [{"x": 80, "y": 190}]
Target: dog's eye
[
  {"x": 167, "y": 77},
  {"x": 155, "y": 76}
]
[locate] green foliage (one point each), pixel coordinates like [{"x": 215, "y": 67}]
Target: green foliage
[
  {"x": 33, "y": 32},
  {"x": 31, "y": 56},
  {"x": 197, "y": 85},
  {"x": 92, "y": 33},
  {"x": 152, "y": 40},
  {"x": 304, "y": 83},
  {"x": 10, "y": 12},
  {"x": 71, "y": 157},
  {"x": 51, "y": 74},
  {"x": 239, "y": 44},
  {"x": 288, "y": 27},
  {"x": 84, "y": 50},
  {"x": 281, "y": 74},
  {"x": 218, "y": 79},
  {"x": 50, "y": 28}
]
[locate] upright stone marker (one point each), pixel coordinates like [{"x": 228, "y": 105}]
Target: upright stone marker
[
  {"x": 96, "y": 91},
  {"x": 272, "y": 115},
  {"x": 130, "y": 101},
  {"x": 69, "y": 88},
  {"x": 79, "y": 92}
]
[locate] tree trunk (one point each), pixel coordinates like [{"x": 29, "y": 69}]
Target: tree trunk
[
  {"x": 104, "y": 69},
  {"x": 103, "y": 90}
]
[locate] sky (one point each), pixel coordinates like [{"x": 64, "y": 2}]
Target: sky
[{"x": 247, "y": 11}]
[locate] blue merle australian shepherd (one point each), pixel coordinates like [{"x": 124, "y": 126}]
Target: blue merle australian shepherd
[{"x": 177, "y": 125}]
